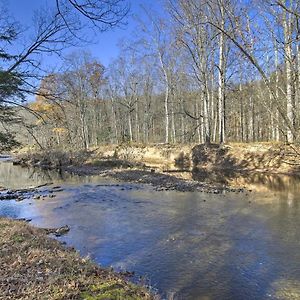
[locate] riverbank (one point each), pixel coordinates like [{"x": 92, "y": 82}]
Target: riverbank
[
  {"x": 118, "y": 224},
  {"x": 205, "y": 168},
  {"x": 34, "y": 266}
]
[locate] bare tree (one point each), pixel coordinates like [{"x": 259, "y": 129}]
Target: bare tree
[{"x": 101, "y": 14}]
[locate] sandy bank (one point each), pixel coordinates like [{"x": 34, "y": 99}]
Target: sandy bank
[{"x": 206, "y": 168}]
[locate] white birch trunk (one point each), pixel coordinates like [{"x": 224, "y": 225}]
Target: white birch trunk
[
  {"x": 289, "y": 75},
  {"x": 221, "y": 80}
]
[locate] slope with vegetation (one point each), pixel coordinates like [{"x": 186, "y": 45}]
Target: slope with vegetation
[
  {"x": 34, "y": 266},
  {"x": 200, "y": 71}
]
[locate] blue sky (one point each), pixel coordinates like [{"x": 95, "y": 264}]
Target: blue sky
[{"x": 106, "y": 47}]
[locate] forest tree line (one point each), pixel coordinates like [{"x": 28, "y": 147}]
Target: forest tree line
[{"x": 199, "y": 71}]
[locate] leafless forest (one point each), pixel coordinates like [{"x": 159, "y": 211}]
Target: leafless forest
[{"x": 197, "y": 71}]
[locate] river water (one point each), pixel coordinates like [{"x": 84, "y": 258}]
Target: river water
[{"x": 185, "y": 245}]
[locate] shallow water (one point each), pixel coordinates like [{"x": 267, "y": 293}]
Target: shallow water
[{"x": 186, "y": 245}]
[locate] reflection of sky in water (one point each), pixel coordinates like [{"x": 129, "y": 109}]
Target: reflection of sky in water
[
  {"x": 9, "y": 209},
  {"x": 223, "y": 248}
]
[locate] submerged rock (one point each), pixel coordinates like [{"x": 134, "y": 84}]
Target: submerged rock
[
  {"x": 62, "y": 230},
  {"x": 24, "y": 220},
  {"x": 58, "y": 231}
]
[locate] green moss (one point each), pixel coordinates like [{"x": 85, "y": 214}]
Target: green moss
[
  {"x": 2, "y": 226},
  {"x": 18, "y": 238},
  {"x": 111, "y": 290}
]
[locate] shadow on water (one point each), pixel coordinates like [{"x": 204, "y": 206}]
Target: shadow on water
[
  {"x": 189, "y": 245},
  {"x": 22, "y": 177},
  {"x": 257, "y": 181},
  {"x": 18, "y": 177}
]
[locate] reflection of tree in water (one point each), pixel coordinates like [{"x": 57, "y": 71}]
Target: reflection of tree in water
[
  {"x": 264, "y": 182},
  {"x": 37, "y": 173},
  {"x": 214, "y": 176},
  {"x": 219, "y": 248},
  {"x": 212, "y": 163},
  {"x": 212, "y": 248},
  {"x": 49, "y": 175},
  {"x": 20, "y": 177},
  {"x": 258, "y": 181}
]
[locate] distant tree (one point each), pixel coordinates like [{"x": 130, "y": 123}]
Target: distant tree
[
  {"x": 67, "y": 103},
  {"x": 55, "y": 28}
]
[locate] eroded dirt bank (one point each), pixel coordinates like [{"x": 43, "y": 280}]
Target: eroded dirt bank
[
  {"x": 34, "y": 266},
  {"x": 208, "y": 168}
]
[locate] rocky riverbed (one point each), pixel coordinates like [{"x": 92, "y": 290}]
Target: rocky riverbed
[
  {"x": 160, "y": 179},
  {"x": 36, "y": 193},
  {"x": 185, "y": 245}
]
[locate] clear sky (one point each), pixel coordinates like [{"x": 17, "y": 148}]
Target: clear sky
[{"x": 106, "y": 48}]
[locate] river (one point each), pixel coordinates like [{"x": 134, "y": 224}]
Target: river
[{"x": 185, "y": 245}]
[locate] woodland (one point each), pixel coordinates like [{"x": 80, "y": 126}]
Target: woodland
[{"x": 213, "y": 71}]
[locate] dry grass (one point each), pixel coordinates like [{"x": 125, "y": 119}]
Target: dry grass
[{"x": 34, "y": 266}]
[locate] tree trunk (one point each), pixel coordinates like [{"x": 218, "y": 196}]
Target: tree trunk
[
  {"x": 114, "y": 119},
  {"x": 221, "y": 69},
  {"x": 130, "y": 126},
  {"x": 289, "y": 74},
  {"x": 173, "y": 120}
]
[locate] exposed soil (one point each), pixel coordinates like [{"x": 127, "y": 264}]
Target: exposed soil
[
  {"x": 34, "y": 266},
  {"x": 207, "y": 168}
]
